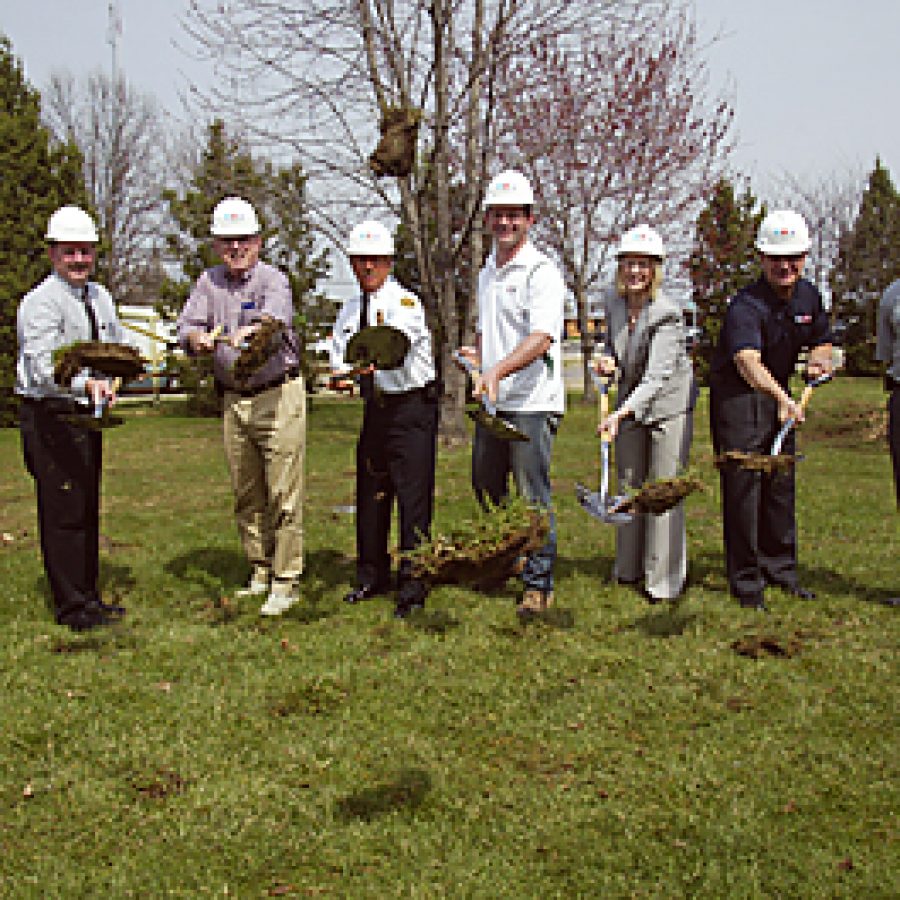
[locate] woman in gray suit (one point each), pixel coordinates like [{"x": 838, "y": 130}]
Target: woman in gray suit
[{"x": 652, "y": 423}]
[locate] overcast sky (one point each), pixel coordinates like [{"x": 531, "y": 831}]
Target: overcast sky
[{"x": 813, "y": 82}]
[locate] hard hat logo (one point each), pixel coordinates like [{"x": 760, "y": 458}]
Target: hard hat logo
[{"x": 642, "y": 239}]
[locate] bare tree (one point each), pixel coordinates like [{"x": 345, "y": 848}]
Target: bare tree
[
  {"x": 314, "y": 78},
  {"x": 615, "y": 128},
  {"x": 830, "y": 204},
  {"x": 122, "y": 138}
]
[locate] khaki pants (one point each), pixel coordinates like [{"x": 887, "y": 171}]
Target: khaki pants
[
  {"x": 653, "y": 547},
  {"x": 265, "y": 444}
]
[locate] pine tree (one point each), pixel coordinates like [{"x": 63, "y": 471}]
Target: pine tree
[
  {"x": 279, "y": 197},
  {"x": 722, "y": 262},
  {"x": 868, "y": 261},
  {"x": 38, "y": 177}
]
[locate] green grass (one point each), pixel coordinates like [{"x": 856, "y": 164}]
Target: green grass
[{"x": 612, "y": 750}]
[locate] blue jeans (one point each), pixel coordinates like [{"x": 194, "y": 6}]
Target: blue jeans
[{"x": 529, "y": 462}]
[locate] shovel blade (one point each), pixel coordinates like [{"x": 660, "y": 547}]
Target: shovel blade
[
  {"x": 597, "y": 506},
  {"x": 498, "y": 427}
]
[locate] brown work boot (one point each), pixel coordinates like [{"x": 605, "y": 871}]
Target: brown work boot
[{"x": 534, "y": 602}]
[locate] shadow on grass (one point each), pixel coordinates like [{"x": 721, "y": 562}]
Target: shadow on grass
[
  {"x": 666, "y": 622},
  {"x": 407, "y": 791},
  {"x": 432, "y": 621}
]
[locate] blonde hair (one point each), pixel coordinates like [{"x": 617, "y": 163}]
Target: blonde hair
[{"x": 655, "y": 282}]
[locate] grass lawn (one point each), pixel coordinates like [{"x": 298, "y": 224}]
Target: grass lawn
[{"x": 612, "y": 750}]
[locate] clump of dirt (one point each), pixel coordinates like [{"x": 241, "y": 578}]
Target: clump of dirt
[
  {"x": 162, "y": 784},
  {"x": 396, "y": 151},
  {"x": 657, "y": 497},
  {"x": 112, "y": 360},
  {"x": 756, "y": 462},
  {"x": 260, "y": 347},
  {"x": 757, "y": 645},
  {"x": 483, "y": 552}
]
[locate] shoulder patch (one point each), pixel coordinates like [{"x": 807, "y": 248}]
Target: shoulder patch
[{"x": 408, "y": 301}]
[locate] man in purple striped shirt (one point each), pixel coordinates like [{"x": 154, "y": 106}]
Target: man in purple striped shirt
[{"x": 265, "y": 416}]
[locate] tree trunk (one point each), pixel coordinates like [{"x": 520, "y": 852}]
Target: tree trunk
[{"x": 586, "y": 341}]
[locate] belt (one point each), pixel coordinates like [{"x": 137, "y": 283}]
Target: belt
[
  {"x": 426, "y": 392},
  {"x": 891, "y": 384},
  {"x": 266, "y": 386},
  {"x": 60, "y": 405}
]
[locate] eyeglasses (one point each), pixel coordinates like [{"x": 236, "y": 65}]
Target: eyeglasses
[
  {"x": 240, "y": 240},
  {"x": 792, "y": 258}
]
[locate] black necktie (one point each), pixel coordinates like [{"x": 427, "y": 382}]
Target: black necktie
[
  {"x": 92, "y": 318},
  {"x": 366, "y": 382}
]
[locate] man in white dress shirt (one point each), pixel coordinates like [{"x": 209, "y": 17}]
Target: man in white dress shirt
[{"x": 396, "y": 453}]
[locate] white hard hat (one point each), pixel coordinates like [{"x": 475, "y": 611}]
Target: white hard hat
[
  {"x": 643, "y": 240},
  {"x": 783, "y": 233},
  {"x": 71, "y": 223},
  {"x": 509, "y": 188},
  {"x": 234, "y": 217},
  {"x": 370, "y": 239}
]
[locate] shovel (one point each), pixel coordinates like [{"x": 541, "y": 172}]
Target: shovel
[
  {"x": 598, "y": 503},
  {"x": 789, "y": 423},
  {"x": 486, "y": 414}
]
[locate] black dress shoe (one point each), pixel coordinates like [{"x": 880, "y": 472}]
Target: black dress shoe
[
  {"x": 364, "y": 592},
  {"x": 84, "y": 619},
  {"x": 111, "y": 610},
  {"x": 403, "y": 610},
  {"x": 754, "y": 603}
]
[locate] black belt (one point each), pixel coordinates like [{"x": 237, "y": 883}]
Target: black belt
[
  {"x": 58, "y": 405},
  {"x": 426, "y": 392},
  {"x": 891, "y": 384},
  {"x": 267, "y": 386}
]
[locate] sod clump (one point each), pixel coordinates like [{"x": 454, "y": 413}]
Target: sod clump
[
  {"x": 657, "y": 497},
  {"x": 110, "y": 359},
  {"x": 756, "y": 462},
  {"x": 259, "y": 348},
  {"x": 396, "y": 151},
  {"x": 482, "y": 552}
]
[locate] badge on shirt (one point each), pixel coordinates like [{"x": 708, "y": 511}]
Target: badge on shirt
[
  {"x": 802, "y": 320},
  {"x": 408, "y": 301},
  {"x": 379, "y": 317},
  {"x": 248, "y": 304}
]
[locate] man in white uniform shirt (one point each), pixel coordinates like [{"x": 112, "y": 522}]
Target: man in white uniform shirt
[
  {"x": 395, "y": 456},
  {"x": 65, "y": 459},
  {"x": 520, "y": 322}
]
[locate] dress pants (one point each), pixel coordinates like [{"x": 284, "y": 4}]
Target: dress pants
[
  {"x": 653, "y": 548},
  {"x": 265, "y": 444},
  {"x": 760, "y": 529},
  {"x": 65, "y": 462},
  {"x": 493, "y": 460},
  {"x": 395, "y": 458}
]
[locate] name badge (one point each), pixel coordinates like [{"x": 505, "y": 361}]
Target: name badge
[
  {"x": 802, "y": 320},
  {"x": 248, "y": 304}
]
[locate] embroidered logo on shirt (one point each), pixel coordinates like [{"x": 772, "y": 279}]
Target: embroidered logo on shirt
[
  {"x": 803, "y": 320},
  {"x": 408, "y": 301}
]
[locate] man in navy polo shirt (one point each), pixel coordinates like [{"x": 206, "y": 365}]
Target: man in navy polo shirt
[{"x": 766, "y": 326}]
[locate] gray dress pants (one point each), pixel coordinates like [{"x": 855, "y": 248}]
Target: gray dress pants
[{"x": 653, "y": 548}]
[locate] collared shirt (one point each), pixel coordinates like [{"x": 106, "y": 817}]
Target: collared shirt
[
  {"x": 758, "y": 319},
  {"x": 390, "y": 305},
  {"x": 50, "y": 317},
  {"x": 888, "y": 347},
  {"x": 233, "y": 303},
  {"x": 524, "y": 297}
]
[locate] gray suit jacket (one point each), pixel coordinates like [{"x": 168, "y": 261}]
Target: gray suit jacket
[{"x": 655, "y": 371}]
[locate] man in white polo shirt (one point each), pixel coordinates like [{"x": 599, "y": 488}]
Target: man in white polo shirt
[{"x": 520, "y": 323}]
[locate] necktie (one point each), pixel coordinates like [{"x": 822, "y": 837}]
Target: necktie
[
  {"x": 366, "y": 382},
  {"x": 92, "y": 318}
]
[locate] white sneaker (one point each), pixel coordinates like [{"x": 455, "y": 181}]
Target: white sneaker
[
  {"x": 281, "y": 598},
  {"x": 259, "y": 584}
]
